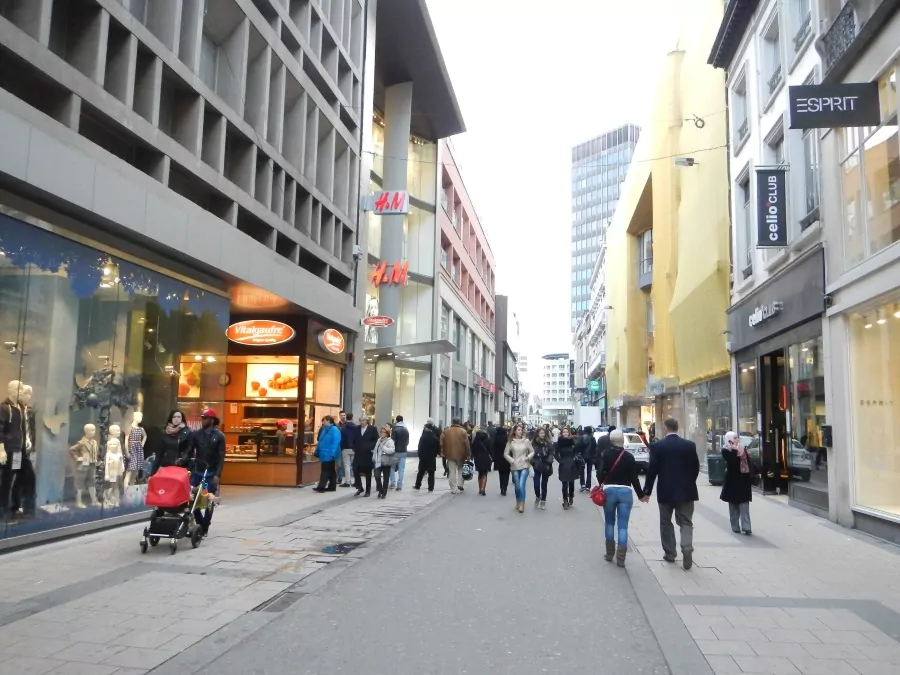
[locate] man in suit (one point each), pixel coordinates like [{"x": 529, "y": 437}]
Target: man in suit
[{"x": 674, "y": 461}]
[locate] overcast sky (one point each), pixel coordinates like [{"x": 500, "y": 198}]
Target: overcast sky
[{"x": 533, "y": 79}]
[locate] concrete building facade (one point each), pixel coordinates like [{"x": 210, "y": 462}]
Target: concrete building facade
[
  {"x": 506, "y": 376},
  {"x": 556, "y": 395}
]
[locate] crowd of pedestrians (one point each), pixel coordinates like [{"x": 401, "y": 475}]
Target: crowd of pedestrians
[{"x": 350, "y": 451}]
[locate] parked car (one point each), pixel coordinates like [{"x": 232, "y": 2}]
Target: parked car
[
  {"x": 800, "y": 461},
  {"x": 636, "y": 446}
]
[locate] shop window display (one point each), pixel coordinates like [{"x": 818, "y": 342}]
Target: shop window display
[
  {"x": 808, "y": 460},
  {"x": 96, "y": 344},
  {"x": 874, "y": 336}
]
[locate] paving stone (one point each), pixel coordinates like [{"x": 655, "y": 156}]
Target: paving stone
[
  {"x": 785, "y": 635},
  {"x": 724, "y": 648},
  {"x": 742, "y": 634},
  {"x": 28, "y": 665},
  {"x": 73, "y": 668},
  {"x": 809, "y": 666},
  {"x": 784, "y": 649},
  {"x": 36, "y": 647},
  {"x": 766, "y": 665},
  {"x": 881, "y": 652},
  {"x": 847, "y": 652},
  {"x": 136, "y": 657},
  {"x": 842, "y": 637},
  {"x": 87, "y": 652},
  {"x": 868, "y": 667},
  {"x": 723, "y": 665}
]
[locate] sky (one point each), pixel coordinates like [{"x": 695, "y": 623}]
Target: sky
[{"x": 532, "y": 80}]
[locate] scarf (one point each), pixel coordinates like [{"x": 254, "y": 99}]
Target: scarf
[
  {"x": 172, "y": 429},
  {"x": 733, "y": 442}
]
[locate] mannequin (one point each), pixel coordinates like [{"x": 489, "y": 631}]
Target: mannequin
[
  {"x": 23, "y": 492},
  {"x": 137, "y": 438},
  {"x": 84, "y": 453},
  {"x": 13, "y": 435},
  {"x": 114, "y": 465}
]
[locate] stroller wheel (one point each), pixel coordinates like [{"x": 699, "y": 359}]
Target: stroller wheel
[
  {"x": 154, "y": 541},
  {"x": 196, "y": 536},
  {"x": 173, "y": 547},
  {"x": 144, "y": 546}
]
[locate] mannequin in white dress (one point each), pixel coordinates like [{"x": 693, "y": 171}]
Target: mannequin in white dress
[
  {"x": 114, "y": 467},
  {"x": 137, "y": 438}
]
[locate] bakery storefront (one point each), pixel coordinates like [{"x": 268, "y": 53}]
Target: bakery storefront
[
  {"x": 776, "y": 342},
  {"x": 282, "y": 375},
  {"x": 99, "y": 347}
]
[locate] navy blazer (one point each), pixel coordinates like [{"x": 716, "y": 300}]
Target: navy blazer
[{"x": 674, "y": 461}]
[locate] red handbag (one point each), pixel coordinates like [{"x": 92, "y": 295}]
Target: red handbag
[{"x": 598, "y": 494}]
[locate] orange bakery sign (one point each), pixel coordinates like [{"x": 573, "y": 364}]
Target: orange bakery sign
[
  {"x": 332, "y": 341},
  {"x": 260, "y": 333}
]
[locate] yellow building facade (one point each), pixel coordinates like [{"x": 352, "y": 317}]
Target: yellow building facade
[{"x": 668, "y": 260}]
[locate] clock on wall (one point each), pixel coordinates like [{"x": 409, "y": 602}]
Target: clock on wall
[{"x": 224, "y": 379}]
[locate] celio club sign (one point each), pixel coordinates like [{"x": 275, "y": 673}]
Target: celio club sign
[{"x": 771, "y": 211}]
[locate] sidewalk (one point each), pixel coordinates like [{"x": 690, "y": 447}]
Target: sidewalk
[
  {"x": 801, "y": 595},
  {"x": 95, "y": 605}
]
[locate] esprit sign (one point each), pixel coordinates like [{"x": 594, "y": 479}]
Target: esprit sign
[
  {"x": 377, "y": 321},
  {"x": 765, "y": 312},
  {"x": 332, "y": 340},
  {"x": 395, "y": 275},
  {"x": 260, "y": 332},
  {"x": 828, "y": 106},
  {"x": 771, "y": 211}
]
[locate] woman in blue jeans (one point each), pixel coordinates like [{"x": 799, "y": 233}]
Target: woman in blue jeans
[
  {"x": 617, "y": 473},
  {"x": 518, "y": 453}
]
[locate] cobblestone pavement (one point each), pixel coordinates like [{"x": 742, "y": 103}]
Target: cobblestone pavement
[
  {"x": 95, "y": 605},
  {"x": 801, "y": 595}
]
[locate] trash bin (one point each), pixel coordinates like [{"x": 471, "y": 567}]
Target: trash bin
[{"x": 715, "y": 465}]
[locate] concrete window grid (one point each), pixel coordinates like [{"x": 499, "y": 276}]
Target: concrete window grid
[{"x": 279, "y": 121}]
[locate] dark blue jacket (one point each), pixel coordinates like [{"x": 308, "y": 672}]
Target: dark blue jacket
[
  {"x": 329, "y": 447},
  {"x": 348, "y": 433},
  {"x": 674, "y": 462}
]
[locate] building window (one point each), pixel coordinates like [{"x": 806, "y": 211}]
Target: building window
[
  {"x": 874, "y": 336},
  {"x": 445, "y": 322},
  {"x": 651, "y": 322},
  {"x": 459, "y": 334},
  {"x": 209, "y": 59},
  {"x": 747, "y": 409},
  {"x": 456, "y": 408},
  {"x": 871, "y": 181},
  {"x": 444, "y": 258},
  {"x": 772, "y": 57},
  {"x": 810, "y": 173},
  {"x": 739, "y": 106},
  {"x": 808, "y": 414},
  {"x": 745, "y": 245},
  {"x": 801, "y": 21},
  {"x": 646, "y": 252},
  {"x": 471, "y": 418}
]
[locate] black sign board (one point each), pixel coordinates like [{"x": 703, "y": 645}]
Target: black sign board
[
  {"x": 515, "y": 395},
  {"x": 771, "y": 208},
  {"x": 827, "y": 106}
]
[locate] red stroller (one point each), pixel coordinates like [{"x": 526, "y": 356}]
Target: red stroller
[{"x": 169, "y": 492}]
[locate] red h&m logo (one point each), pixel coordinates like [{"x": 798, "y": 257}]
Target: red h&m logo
[
  {"x": 391, "y": 202},
  {"x": 397, "y": 274}
]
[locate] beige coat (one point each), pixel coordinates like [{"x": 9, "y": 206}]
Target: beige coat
[{"x": 519, "y": 453}]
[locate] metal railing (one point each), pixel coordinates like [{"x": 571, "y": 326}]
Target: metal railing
[
  {"x": 775, "y": 80},
  {"x": 743, "y": 130},
  {"x": 839, "y": 36},
  {"x": 802, "y": 32}
]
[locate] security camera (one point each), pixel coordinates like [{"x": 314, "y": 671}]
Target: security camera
[
  {"x": 828, "y": 300},
  {"x": 685, "y": 161}
]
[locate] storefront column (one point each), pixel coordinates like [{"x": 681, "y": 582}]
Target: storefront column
[{"x": 397, "y": 120}]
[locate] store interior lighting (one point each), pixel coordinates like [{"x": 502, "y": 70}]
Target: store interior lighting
[{"x": 882, "y": 317}]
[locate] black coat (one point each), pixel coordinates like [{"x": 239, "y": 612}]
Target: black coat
[
  {"x": 543, "y": 452},
  {"x": 481, "y": 451},
  {"x": 174, "y": 447},
  {"x": 565, "y": 456},
  {"x": 587, "y": 446},
  {"x": 500, "y": 463},
  {"x": 737, "y": 488},
  {"x": 674, "y": 461},
  {"x": 429, "y": 448},
  {"x": 363, "y": 446}
]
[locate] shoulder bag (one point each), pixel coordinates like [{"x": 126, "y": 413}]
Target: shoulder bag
[{"x": 598, "y": 494}]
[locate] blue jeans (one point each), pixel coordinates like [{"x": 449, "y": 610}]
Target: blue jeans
[
  {"x": 398, "y": 470},
  {"x": 520, "y": 480},
  {"x": 619, "y": 500}
]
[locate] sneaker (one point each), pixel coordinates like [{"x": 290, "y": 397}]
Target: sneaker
[
  {"x": 417, "y": 487},
  {"x": 346, "y": 485},
  {"x": 462, "y": 489},
  {"x": 537, "y": 502},
  {"x": 688, "y": 561},
  {"x": 399, "y": 488},
  {"x": 543, "y": 505},
  {"x": 669, "y": 558},
  {"x": 319, "y": 490},
  {"x": 454, "y": 492}
]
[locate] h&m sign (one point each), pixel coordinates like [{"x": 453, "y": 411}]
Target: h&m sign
[{"x": 828, "y": 106}]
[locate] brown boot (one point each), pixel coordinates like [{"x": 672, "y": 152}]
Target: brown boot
[
  {"x": 610, "y": 551},
  {"x": 620, "y": 555}
]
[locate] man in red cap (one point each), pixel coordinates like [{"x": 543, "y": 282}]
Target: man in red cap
[{"x": 207, "y": 454}]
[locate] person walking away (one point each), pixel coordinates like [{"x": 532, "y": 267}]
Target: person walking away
[
  {"x": 207, "y": 454},
  {"x": 366, "y": 438},
  {"x": 518, "y": 454},
  {"x": 481, "y": 453},
  {"x": 587, "y": 448},
  {"x": 341, "y": 421},
  {"x": 429, "y": 449},
  {"x": 328, "y": 451},
  {"x": 542, "y": 462},
  {"x": 564, "y": 452},
  {"x": 674, "y": 461},
  {"x": 501, "y": 466},
  {"x": 384, "y": 457},
  {"x": 491, "y": 432},
  {"x": 456, "y": 450},
  {"x": 617, "y": 473},
  {"x": 400, "y": 436},
  {"x": 348, "y": 436},
  {"x": 555, "y": 434},
  {"x": 737, "y": 490}
]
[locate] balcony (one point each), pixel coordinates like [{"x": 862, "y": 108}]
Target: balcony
[
  {"x": 775, "y": 80},
  {"x": 645, "y": 274},
  {"x": 742, "y": 131},
  {"x": 839, "y": 37},
  {"x": 802, "y": 33}
]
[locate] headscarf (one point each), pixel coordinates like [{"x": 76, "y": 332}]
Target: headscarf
[{"x": 733, "y": 442}]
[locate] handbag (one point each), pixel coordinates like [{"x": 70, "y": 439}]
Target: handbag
[
  {"x": 598, "y": 494},
  {"x": 579, "y": 465}
]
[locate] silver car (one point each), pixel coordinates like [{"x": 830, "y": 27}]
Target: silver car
[{"x": 800, "y": 461}]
